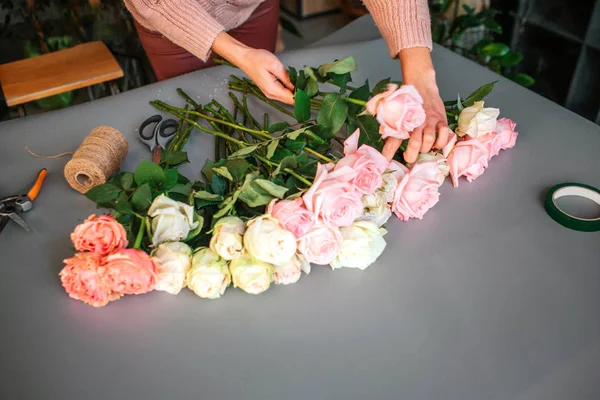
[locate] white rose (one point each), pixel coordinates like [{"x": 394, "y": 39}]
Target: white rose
[
  {"x": 251, "y": 275},
  {"x": 174, "y": 261},
  {"x": 266, "y": 241},
  {"x": 172, "y": 220},
  {"x": 476, "y": 120},
  {"x": 209, "y": 275},
  {"x": 377, "y": 209},
  {"x": 363, "y": 244},
  {"x": 290, "y": 273},
  {"x": 444, "y": 169},
  {"x": 390, "y": 183},
  {"x": 226, "y": 239}
]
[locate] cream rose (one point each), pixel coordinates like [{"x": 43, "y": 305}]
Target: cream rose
[
  {"x": 377, "y": 209},
  {"x": 227, "y": 238},
  {"x": 174, "y": 261},
  {"x": 172, "y": 220},
  {"x": 289, "y": 273},
  {"x": 476, "y": 120},
  {"x": 266, "y": 241},
  {"x": 209, "y": 275},
  {"x": 251, "y": 275},
  {"x": 363, "y": 244}
]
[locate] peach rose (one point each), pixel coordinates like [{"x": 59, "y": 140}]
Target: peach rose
[
  {"x": 129, "y": 271},
  {"x": 100, "y": 235},
  {"x": 332, "y": 198},
  {"x": 469, "y": 158},
  {"x": 292, "y": 215},
  {"x": 81, "y": 280},
  {"x": 368, "y": 163},
  {"x": 398, "y": 111},
  {"x": 417, "y": 191},
  {"x": 321, "y": 244},
  {"x": 505, "y": 129}
]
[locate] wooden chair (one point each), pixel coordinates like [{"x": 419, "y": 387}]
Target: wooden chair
[{"x": 58, "y": 72}]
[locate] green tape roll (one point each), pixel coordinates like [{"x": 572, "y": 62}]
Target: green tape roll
[{"x": 565, "y": 219}]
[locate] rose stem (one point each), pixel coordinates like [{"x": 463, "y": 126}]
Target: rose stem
[
  {"x": 266, "y": 121},
  {"x": 140, "y": 234},
  {"x": 355, "y": 101},
  {"x": 289, "y": 171},
  {"x": 252, "y": 119}
]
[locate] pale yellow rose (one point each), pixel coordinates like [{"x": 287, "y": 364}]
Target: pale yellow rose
[
  {"x": 251, "y": 275},
  {"x": 209, "y": 275},
  {"x": 227, "y": 238}
]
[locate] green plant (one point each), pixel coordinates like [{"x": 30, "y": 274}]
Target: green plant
[{"x": 487, "y": 51}]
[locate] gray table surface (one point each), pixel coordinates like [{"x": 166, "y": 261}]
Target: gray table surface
[{"x": 485, "y": 298}]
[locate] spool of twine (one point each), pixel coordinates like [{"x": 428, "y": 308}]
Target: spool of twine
[{"x": 97, "y": 159}]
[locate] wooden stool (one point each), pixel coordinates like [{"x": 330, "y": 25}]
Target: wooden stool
[{"x": 58, "y": 72}]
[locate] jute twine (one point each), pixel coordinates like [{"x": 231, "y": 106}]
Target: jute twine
[{"x": 97, "y": 159}]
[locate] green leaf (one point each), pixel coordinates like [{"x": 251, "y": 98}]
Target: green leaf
[
  {"x": 301, "y": 81},
  {"x": 295, "y": 144},
  {"x": 293, "y": 73},
  {"x": 522, "y": 79},
  {"x": 294, "y": 134},
  {"x": 341, "y": 80},
  {"x": 244, "y": 151},
  {"x": 173, "y": 158},
  {"x": 310, "y": 73},
  {"x": 224, "y": 172},
  {"x": 369, "y": 132},
  {"x": 312, "y": 87},
  {"x": 142, "y": 197},
  {"x": 287, "y": 162},
  {"x": 171, "y": 178},
  {"x": 227, "y": 205},
  {"x": 272, "y": 188},
  {"x": 339, "y": 67},
  {"x": 122, "y": 204},
  {"x": 148, "y": 172},
  {"x": 204, "y": 195},
  {"x": 280, "y": 154},
  {"x": 218, "y": 185},
  {"x": 272, "y": 147},
  {"x": 361, "y": 93},
  {"x": 279, "y": 126},
  {"x": 481, "y": 44},
  {"x": 479, "y": 94},
  {"x": 197, "y": 218},
  {"x": 237, "y": 168},
  {"x": 492, "y": 25},
  {"x": 333, "y": 113},
  {"x": 511, "y": 59},
  {"x": 127, "y": 180},
  {"x": 104, "y": 193},
  {"x": 182, "y": 188},
  {"x": 459, "y": 105},
  {"x": 495, "y": 49},
  {"x": 301, "y": 106},
  {"x": 207, "y": 170},
  {"x": 381, "y": 86}
]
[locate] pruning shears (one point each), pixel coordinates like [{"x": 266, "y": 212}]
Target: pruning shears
[{"x": 12, "y": 206}]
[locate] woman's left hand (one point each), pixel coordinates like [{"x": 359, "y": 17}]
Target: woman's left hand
[{"x": 417, "y": 70}]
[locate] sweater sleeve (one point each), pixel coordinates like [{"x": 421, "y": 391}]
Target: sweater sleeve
[
  {"x": 184, "y": 22},
  {"x": 403, "y": 23}
]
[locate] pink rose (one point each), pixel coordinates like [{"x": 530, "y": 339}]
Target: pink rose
[
  {"x": 321, "y": 244},
  {"x": 505, "y": 129},
  {"x": 398, "y": 111},
  {"x": 100, "y": 235},
  {"x": 468, "y": 158},
  {"x": 452, "y": 139},
  {"x": 492, "y": 143},
  {"x": 332, "y": 198},
  {"x": 129, "y": 271},
  {"x": 81, "y": 280},
  {"x": 417, "y": 191},
  {"x": 292, "y": 215},
  {"x": 368, "y": 163}
]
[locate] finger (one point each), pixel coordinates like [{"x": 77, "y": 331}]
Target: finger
[
  {"x": 428, "y": 138},
  {"x": 281, "y": 73},
  {"x": 390, "y": 147},
  {"x": 443, "y": 134},
  {"x": 414, "y": 145},
  {"x": 277, "y": 91}
]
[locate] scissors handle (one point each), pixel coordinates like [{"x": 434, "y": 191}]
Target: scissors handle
[
  {"x": 166, "y": 131},
  {"x": 37, "y": 186},
  {"x": 149, "y": 139}
]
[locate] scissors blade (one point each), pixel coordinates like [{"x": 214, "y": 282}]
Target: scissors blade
[
  {"x": 20, "y": 221},
  {"x": 3, "y": 221}
]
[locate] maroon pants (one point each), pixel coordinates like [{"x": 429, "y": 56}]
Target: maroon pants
[{"x": 169, "y": 60}]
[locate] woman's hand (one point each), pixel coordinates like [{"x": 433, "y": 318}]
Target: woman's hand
[
  {"x": 417, "y": 70},
  {"x": 262, "y": 66}
]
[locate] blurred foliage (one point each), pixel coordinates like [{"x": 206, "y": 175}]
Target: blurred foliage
[{"x": 487, "y": 51}]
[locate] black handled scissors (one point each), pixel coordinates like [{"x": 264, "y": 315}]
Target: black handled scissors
[{"x": 159, "y": 137}]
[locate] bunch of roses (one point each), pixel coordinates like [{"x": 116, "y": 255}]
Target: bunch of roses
[{"x": 103, "y": 269}]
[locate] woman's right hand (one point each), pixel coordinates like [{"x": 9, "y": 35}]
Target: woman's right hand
[{"x": 262, "y": 66}]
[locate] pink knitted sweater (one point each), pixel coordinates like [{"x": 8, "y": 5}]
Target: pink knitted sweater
[{"x": 194, "y": 24}]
